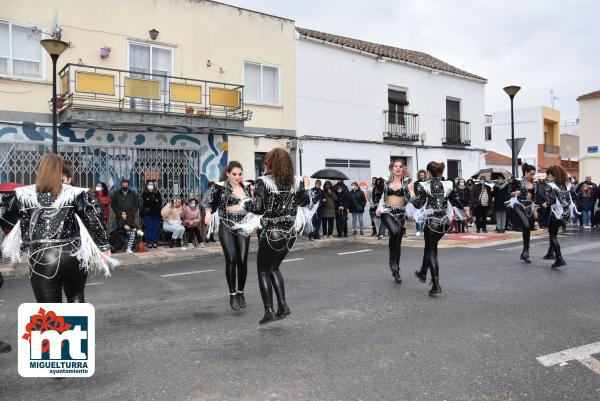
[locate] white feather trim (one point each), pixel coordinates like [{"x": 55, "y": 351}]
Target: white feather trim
[
  {"x": 418, "y": 215},
  {"x": 269, "y": 183},
  {"x": 27, "y": 196},
  {"x": 67, "y": 195},
  {"x": 214, "y": 223},
  {"x": 426, "y": 186},
  {"x": 90, "y": 257},
  {"x": 11, "y": 246},
  {"x": 448, "y": 187},
  {"x": 304, "y": 218},
  {"x": 249, "y": 223},
  {"x": 512, "y": 202}
]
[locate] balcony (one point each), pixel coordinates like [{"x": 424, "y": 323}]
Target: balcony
[
  {"x": 553, "y": 149},
  {"x": 400, "y": 127},
  {"x": 456, "y": 132},
  {"x": 122, "y": 99}
]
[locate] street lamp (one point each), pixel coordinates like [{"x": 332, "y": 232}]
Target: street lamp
[
  {"x": 511, "y": 91},
  {"x": 54, "y": 48}
]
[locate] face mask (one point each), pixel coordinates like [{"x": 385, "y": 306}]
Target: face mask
[
  {"x": 192, "y": 204},
  {"x": 461, "y": 185},
  {"x": 98, "y": 189},
  {"x": 150, "y": 187},
  {"x": 353, "y": 187}
]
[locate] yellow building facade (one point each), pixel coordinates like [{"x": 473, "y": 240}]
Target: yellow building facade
[{"x": 200, "y": 81}]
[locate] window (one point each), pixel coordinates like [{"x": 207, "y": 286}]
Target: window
[
  {"x": 347, "y": 163},
  {"x": 261, "y": 83},
  {"x": 454, "y": 169},
  {"x": 20, "y": 50},
  {"x": 151, "y": 62},
  {"x": 488, "y": 133},
  {"x": 396, "y": 103},
  {"x": 259, "y": 162}
]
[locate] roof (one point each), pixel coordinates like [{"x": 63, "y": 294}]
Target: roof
[
  {"x": 590, "y": 95},
  {"x": 495, "y": 158},
  {"x": 396, "y": 53}
]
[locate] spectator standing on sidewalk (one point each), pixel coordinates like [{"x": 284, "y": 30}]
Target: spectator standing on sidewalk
[
  {"x": 328, "y": 209},
  {"x": 125, "y": 200},
  {"x": 501, "y": 195},
  {"x": 465, "y": 199},
  {"x": 151, "y": 206},
  {"x": 586, "y": 200},
  {"x": 356, "y": 206},
  {"x": 317, "y": 197},
  {"x": 482, "y": 195},
  {"x": 341, "y": 211}
]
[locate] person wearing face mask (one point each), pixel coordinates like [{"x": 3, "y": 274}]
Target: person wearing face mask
[
  {"x": 192, "y": 223},
  {"x": 341, "y": 211},
  {"x": 125, "y": 200},
  {"x": 591, "y": 196},
  {"x": 151, "y": 206},
  {"x": 103, "y": 198},
  {"x": 224, "y": 202},
  {"x": 501, "y": 195},
  {"x": 482, "y": 197}
]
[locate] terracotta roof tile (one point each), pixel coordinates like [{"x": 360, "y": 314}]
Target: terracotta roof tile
[
  {"x": 495, "y": 158},
  {"x": 590, "y": 95},
  {"x": 409, "y": 56}
]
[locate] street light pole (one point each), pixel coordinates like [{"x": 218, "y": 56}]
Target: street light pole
[
  {"x": 511, "y": 91},
  {"x": 54, "y": 48}
]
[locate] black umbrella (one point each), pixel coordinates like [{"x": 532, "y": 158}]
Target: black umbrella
[
  {"x": 330, "y": 174},
  {"x": 492, "y": 174}
]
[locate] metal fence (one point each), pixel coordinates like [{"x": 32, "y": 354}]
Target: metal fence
[{"x": 176, "y": 171}]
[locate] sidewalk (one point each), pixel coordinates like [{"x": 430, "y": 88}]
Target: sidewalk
[{"x": 164, "y": 255}]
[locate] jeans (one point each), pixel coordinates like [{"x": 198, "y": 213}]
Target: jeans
[
  {"x": 176, "y": 228},
  {"x": 586, "y": 216},
  {"x": 151, "y": 224},
  {"x": 420, "y": 226},
  {"x": 357, "y": 221},
  {"x": 501, "y": 220},
  {"x": 316, "y": 226}
]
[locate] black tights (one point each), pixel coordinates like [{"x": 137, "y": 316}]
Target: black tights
[
  {"x": 63, "y": 272},
  {"x": 396, "y": 231},
  {"x": 268, "y": 262},
  {"x": 235, "y": 248},
  {"x": 521, "y": 219},
  {"x": 553, "y": 226},
  {"x": 433, "y": 233}
]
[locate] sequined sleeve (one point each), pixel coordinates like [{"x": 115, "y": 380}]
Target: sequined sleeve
[
  {"x": 9, "y": 211},
  {"x": 303, "y": 196},
  {"x": 213, "y": 199},
  {"x": 256, "y": 205},
  {"x": 550, "y": 195},
  {"x": 420, "y": 198},
  {"x": 87, "y": 209}
]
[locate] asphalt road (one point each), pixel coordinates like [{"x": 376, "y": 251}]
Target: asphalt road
[{"x": 353, "y": 333}]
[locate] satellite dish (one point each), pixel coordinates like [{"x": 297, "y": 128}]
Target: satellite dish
[{"x": 56, "y": 31}]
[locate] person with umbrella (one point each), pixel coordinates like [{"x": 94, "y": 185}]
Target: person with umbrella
[{"x": 391, "y": 209}]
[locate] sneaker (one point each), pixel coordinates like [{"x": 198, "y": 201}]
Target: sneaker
[
  {"x": 362, "y": 232},
  {"x": 418, "y": 233},
  {"x": 128, "y": 251}
]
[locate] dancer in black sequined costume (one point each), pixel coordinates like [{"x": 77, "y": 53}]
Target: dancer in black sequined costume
[{"x": 523, "y": 205}]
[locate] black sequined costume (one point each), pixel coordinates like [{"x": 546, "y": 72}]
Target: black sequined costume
[
  {"x": 63, "y": 238},
  {"x": 235, "y": 243},
  {"x": 559, "y": 201},
  {"x": 393, "y": 217},
  {"x": 277, "y": 206},
  {"x": 435, "y": 201},
  {"x": 523, "y": 207}
]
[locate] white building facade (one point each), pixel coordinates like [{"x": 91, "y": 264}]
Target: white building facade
[
  {"x": 361, "y": 105},
  {"x": 589, "y": 135}
]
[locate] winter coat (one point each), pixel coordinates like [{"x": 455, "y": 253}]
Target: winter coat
[
  {"x": 191, "y": 216},
  {"x": 151, "y": 203},
  {"x": 501, "y": 195},
  {"x": 171, "y": 213},
  {"x": 103, "y": 200},
  {"x": 125, "y": 201},
  {"x": 357, "y": 201},
  {"x": 328, "y": 207}
]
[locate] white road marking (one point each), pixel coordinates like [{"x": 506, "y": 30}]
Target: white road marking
[
  {"x": 349, "y": 253},
  {"x": 581, "y": 354},
  {"x": 292, "y": 260},
  {"x": 186, "y": 273},
  {"x": 88, "y": 284}
]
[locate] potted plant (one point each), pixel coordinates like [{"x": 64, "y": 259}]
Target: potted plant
[
  {"x": 189, "y": 110},
  {"x": 60, "y": 102},
  {"x": 200, "y": 113},
  {"x": 105, "y": 52}
]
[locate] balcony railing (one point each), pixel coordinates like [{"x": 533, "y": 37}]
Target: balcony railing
[
  {"x": 399, "y": 126},
  {"x": 456, "y": 132},
  {"x": 551, "y": 149},
  {"x": 101, "y": 88}
]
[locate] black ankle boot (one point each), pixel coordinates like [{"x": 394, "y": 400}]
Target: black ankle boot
[
  {"x": 421, "y": 275},
  {"x": 4, "y": 347},
  {"x": 549, "y": 255},
  {"x": 525, "y": 256},
  {"x": 233, "y": 302},
  {"x": 171, "y": 243},
  {"x": 241, "y": 299},
  {"x": 559, "y": 262},
  {"x": 268, "y": 317},
  {"x": 435, "y": 288},
  {"x": 283, "y": 310}
]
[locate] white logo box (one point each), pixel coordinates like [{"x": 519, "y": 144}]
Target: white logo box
[{"x": 76, "y": 358}]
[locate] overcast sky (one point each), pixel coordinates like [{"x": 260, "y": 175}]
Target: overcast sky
[{"x": 537, "y": 44}]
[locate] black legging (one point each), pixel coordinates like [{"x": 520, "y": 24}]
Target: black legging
[
  {"x": 433, "y": 233},
  {"x": 553, "y": 225},
  {"x": 396, "y": 231},
  {"x": 235, "y": 248},
  {"x": 63, "y": 272},
  {"x": 271, "y": 252},
  {"x": 521, "y": 219},
  {"x": 327, "y": 225}
]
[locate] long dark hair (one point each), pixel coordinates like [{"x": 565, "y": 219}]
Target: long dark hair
[
  {"x": 279, "y": 163},
  {"x": 525, "y": 168},
  {"x": 104, "y": 188},
  {"x": 559, "y": 173},
  {"x": 230, "y": 166},
  {"x": 328, "y": 185}
]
